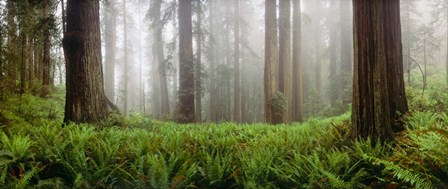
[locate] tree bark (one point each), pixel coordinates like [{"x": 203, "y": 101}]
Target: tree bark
[
  {"x": 46, "y": 64},
  {"x": 186, "y": 111},
  {"x": 271, "y": 60},
  {"x": 333, "y": 80},
  {"x": 126, "y": 63},
  {"x": 378, "y": 85},
  {"x": 85, "y": 97},
  {"x": 297, "y": 63},
  {"x": 237, "y": 72},
  {"x": 212, "y": 74},
  {"x": 285, "y": 56}
]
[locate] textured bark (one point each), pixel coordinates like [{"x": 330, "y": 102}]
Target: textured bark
[
  {"x": 198, "y": 79},
  {"x": 297, "y": 63},
  {"x": 378, "y": 87},
  {"x": 11, "y": 68},
  {"x": 237, "y": 72},
  {"x": 346, "y": 52},
  {"x": 271, "y": 59},
  {"x": 85, "y": 98},
  {"x": 111, "y": 43},
  {"x": 186, "y": 111},
  {"x": 46, "y": 64},
  {"x": 285, "y": 56}
]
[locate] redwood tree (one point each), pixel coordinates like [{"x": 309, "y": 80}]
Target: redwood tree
[
  {"x": 271, "y": 60},
  {"x": 379, "y": 98},
  {"x": 85, "y": 98},
  {"x": 186, "y": 111},
  {"x": 297, "y": 63}
]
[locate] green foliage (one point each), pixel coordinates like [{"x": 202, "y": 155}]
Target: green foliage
[{"x": 138, "y": 152}]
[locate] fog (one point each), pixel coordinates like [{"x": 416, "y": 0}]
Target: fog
[{"x": 326, "y": 47}]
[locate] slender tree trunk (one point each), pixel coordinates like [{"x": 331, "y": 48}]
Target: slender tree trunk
[
  {"x": 446, "y": 61},
  {"x": 85, "y": 97},
  {"x": 408, "y": 42},
  {"x": 186, "y": 111},
  {"x": 334, "y": 89},
  {"x": 378, "y": 88},
  {"x": 11, "y": 45},
  {"x": 23, "y": 64},
  {"x": 285, "y": 56},
  {"x": 271, "y": 59},
  {"x": 198, "y": 86},
  {"x": 237, "y": 74},
  {"x": 46, "y": 64},
  {"x": 297, "y": 63},
  {"x": 126, "y": 63},
  {"x": 346, "y": 52},
  {"x": 424, "y": 62},
  {"x": 212, "y": 74},
  {"x": 317, "y": 52},
  {"x": 111, "y": 43}
]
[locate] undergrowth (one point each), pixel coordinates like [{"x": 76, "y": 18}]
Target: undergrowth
[{"x": 139, "y": 152}]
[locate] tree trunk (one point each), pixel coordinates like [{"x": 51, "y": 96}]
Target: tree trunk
[
  {"x": 198, "y": 86},
  {"x": 317, "y": 51},
  {"x": 212, "y": 74},
  {"x": 285, "y": 56},
  {"x": 237, "y": 72},
  {"x": 333, "y": 88},
  {"x": 271, "y": 59},
  {"x": 46, "y": 64},
  {"x": 346, "y": 52},
  {"x": 126, "y": 63},
  {"x": 186, "y": 111},
  {"x": 297, "y": 63},
  {"x": 85, "y": 98},
  {"x": 161, "y": 69},
  {"x": 378, "y": 88},
  {"x": 111, "y": 43}
]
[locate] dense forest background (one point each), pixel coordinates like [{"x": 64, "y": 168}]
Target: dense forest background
[{"x": 223, "y": 94}]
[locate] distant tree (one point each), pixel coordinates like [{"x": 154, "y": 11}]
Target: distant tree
[
  {"x": 237, "y": 72},
  {"x": 379, "y": 99},
  {"x": 85, "y": 97},
  {"x": 408, "y": 13},
  {"x": 126, "y": 60},
  {"x": 440, "y": 17},
  {"x": 158, "y": 25},
  {"x": 297, "y": 100},
  {"x": 346, "y": 65},
  {"x": 46, "y": 60},
  {"x": 198, "y": 65},
  {"x": 186, "y": 111},
  {"x": 110, "y": 22}
]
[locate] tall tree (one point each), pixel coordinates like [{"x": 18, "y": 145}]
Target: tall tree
[
  {"x": 237, "y": 72},
  {"x": 211, "y": 58},
  {"x": 158, "y": 25},
  {"x": 346, "y": 52},
  {"x": 126, "y": 61},
  {"x": 297, "y": 63},
  {"x": 379, "y": 99},
  {"x": 186, "y": 111},
  {"x": 285, "y": 55},
  {"x": 85, "y": 97},
  {"x": 111, "y": 43},
  {"x": 271, "y": 60},
  {"x": 198, "y": 66},
  {"x": 46, "y": 65}
]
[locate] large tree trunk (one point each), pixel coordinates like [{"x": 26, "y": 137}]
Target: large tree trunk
[
  {"x": 271, "y": 59},
  {"x": 85, "y": 98},
  {"x": 11, "y": 67},
  {"x": 285, "y": 56},
  {"x": 333, "y": 80},
  {"x": 186, "y": 111},
  {"x": 297, "y": 63},
  {"x": 346, "y": 52},
  {"x": 46, "y": 65},
  {"x": 378, "y": 87},
  {"x": 111, "y": 43},
  {"x": 237, "y": 67}
]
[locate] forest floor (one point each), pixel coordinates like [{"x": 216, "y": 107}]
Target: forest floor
[{"x": 138, "y": 152}]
